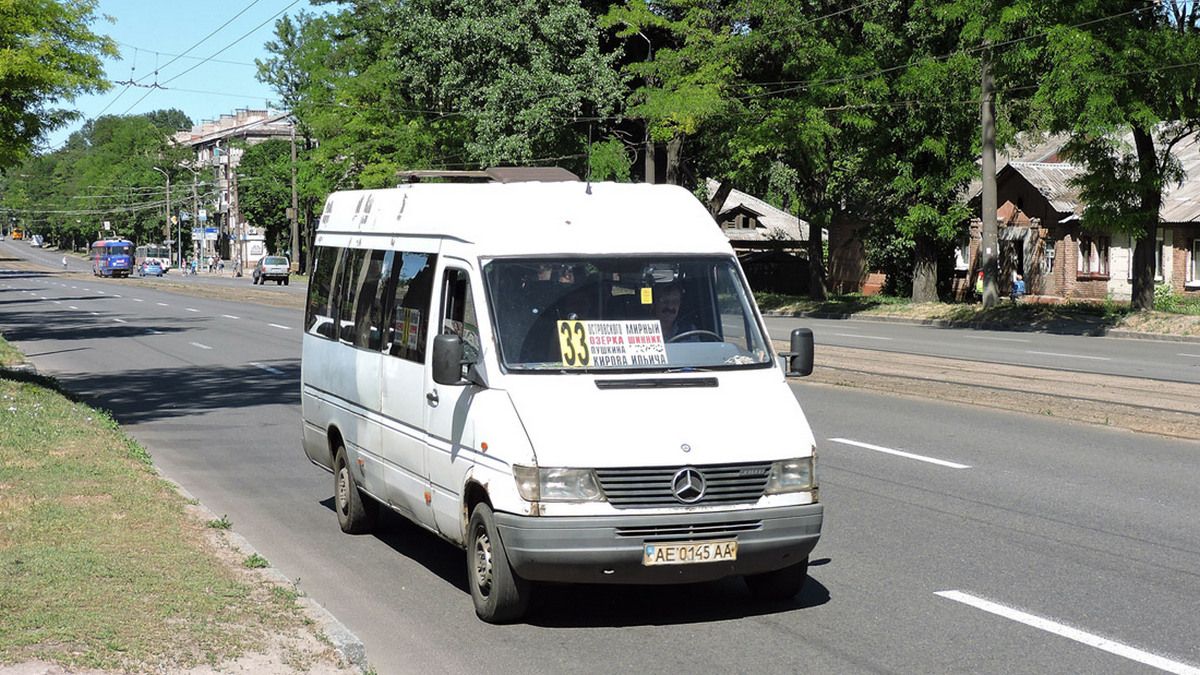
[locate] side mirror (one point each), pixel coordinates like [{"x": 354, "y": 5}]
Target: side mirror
[
  {"x": 800, "y": 358},
  {"x": 447, "y": 359}
]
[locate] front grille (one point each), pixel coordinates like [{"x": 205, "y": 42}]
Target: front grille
[
  {"x": 649, "y": 487},
  {"x": 691, "y": 531}
]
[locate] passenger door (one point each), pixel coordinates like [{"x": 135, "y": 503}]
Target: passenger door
[
  {"x": 451, "y": 436},
  {"x": 408, "y": 299}
]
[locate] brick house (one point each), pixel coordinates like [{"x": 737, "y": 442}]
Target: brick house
[{"x": 1042, "y": 237}]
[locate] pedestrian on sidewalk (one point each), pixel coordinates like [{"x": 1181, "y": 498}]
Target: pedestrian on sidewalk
[{"x": 64, "y": 263}]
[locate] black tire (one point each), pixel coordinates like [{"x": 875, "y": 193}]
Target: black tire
[
  {"x": 279, "y": 282},
  {"x": 499, "y": 594},
  {"x": 356, "y": 512},
  {"x": 285, "y": 282},
  {"x": 783, "y": 584}
]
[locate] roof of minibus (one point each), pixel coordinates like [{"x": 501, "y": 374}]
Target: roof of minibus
[{"x": 532, "y": 218}]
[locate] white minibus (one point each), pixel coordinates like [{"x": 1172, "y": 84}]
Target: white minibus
[{"x": 570, "y": 381}]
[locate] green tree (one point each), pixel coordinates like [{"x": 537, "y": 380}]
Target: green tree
[
  {"x": 49, "y": 54},
  {"x": 1111, "y": 70},
  {"x": 264, "y": 191}
]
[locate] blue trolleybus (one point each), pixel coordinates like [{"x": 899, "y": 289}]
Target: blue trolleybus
[{"x": 112, "y": 258}]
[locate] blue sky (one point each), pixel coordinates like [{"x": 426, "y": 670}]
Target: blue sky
[{"x": 149, "y": 33}]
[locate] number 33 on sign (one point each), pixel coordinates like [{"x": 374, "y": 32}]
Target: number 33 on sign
[{"x": 572, "y": 340}]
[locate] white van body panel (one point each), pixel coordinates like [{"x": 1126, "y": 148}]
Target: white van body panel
[{"x": 425, "y": 449}]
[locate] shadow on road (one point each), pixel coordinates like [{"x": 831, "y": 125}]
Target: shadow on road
[
  {"x": 144, "y": 395},
  {"x": 560, "y": 605}
]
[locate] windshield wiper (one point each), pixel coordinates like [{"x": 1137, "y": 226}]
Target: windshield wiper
[{"x": 657, "y": 382}]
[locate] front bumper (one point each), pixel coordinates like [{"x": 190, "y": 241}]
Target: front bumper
[{"x": 609, "y": 549}]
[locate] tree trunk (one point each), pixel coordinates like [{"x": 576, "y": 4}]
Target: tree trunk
[
  {"x": 1151, "y": 195},
  {"x": 816, "y": 263},
  {"x": 925, "y": 271},
  {"x": 717, "y": 200},
  {"x": 674, "y": 161}
]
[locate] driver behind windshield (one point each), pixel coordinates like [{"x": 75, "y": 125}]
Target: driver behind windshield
[{"x": 668, "y": 299}]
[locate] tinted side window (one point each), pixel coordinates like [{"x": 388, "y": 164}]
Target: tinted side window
[
  {"x": 351, "y": 281},
  {"x": 318, "y": 315},
  {"x": 458, "y": 311},
  {"x": 367, "y": 311},
  {"x": 408, "y": 323}
]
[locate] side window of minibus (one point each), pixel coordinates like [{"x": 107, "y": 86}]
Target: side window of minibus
[
  {"x": 410, "y": 288},
  {"x": 319, "y": 317},
  {"x": 352, "y": 278},
  {"x": 458, "y": 311},
  {"x": 366, "y": 306}
]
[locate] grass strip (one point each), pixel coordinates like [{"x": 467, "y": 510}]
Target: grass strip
[{"x": 101, "y": 565}]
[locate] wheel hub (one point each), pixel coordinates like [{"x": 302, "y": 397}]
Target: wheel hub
[{"x": 483, "y": 563}]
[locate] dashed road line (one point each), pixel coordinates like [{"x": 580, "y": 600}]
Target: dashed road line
[
  {"x": 191, "y": 310},
  {"x": 1062, "y": 630},
  {"x": 901, "y": 453},
  {"x": 862, "y": 337},
  {"x": 95, "y": 313},
  {"x": 162, "y": 304},
  {"x": 269, "y": 369},
  {"x": 137, "y": 300},
  {"x": 995, "y": 339},
  {"x": 151, "y": 331},
  {"x": 119, "y": 320},
  {"x": 230, "y": 316},
  {"x": 72, "y": 306},
  {"x": 1193, "y": 356},
  {"x": 1070, "y": 356},
  {"x": 275, "y": 325},
  {"x": 201, "y": 346}
]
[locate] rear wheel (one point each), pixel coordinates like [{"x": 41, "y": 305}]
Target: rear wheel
[
  {"x": 285, "y": 282},
  {"x": 499, "y": 594},
  {"x": 782, "y": 584},
  {"x": 355, "y": 511}
]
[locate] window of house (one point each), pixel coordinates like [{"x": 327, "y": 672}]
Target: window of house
[
  {"x": 1194, "y": 264},
  {"x": 1158, "y": 256},
  {"x": 1047, "y": 259},
  {"x": 1093, "y": 257}
]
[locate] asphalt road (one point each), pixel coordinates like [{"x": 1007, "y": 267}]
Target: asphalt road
[
  {"x": 1076, "y": 528},
  {"x": 1151, "y": 359}
]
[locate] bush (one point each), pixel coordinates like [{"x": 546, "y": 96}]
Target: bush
[{"x": 1167, "y": 300}]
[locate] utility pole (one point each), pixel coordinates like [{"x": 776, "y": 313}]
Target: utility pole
[
  {"x": 295, "y": 216},
  {"x": 195, "y": 219},
  {"x": 988, "y": 248},
  {"x": 167, "y": 221}
]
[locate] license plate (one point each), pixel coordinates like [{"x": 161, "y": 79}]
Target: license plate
[{"x": 687, "y": 553}]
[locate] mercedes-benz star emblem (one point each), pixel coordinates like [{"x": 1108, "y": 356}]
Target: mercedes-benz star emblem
[{"x": 688, "y": 486}]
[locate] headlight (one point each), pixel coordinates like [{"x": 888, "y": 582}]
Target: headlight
[
  {"x": 557, "y": 485},
  {"x": 792, "y": 475}
]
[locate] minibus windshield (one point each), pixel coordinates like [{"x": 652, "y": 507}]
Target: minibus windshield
[{"x": 628, "y": 313}]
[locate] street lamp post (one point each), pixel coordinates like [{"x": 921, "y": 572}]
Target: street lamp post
[{"x": 178, "y": 234}]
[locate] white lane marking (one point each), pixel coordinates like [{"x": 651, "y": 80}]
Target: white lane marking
[
  {"x": 230, "y": 316},
  {"x": 997, "y": 339},
  {"x": 1194, "y": 356},
  {"x": 269, "y": 369},
  {"x": 74, "y": 287},
  {"x": 98, "y": 291},
  {"x": 119, "y": 320},
  {"x": 138, "y": 300},
  {"x": 1069, "y": 356},
  {"x": 151, "y": 331},
  {"x": 162, "y": 304},
  {"x": 72, "y": 306},
  {"x": 901, "y": 453},
  {"x": 197, "y": 344},
  {"x": 275, "y": 325},
  {"x": 861, "y": 337},
  {"x": 84, "y": 288},
  {"x": 191, "y": 310},
  {"x": 95, "y": 313},
  {"x": 1089, "y": 639},
  {"x": 115, "y": 295},
  {"x": 58, "y": 302}
]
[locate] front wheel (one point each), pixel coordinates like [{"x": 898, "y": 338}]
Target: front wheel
[
  {"x": 285, "y": 282},
  {"x": 356, "y": 512},
  {"x": 782, "y": 584},
  {"x": 499, "y": 594}
]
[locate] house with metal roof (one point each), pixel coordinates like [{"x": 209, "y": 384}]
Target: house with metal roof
[{"x": 1043, "y": 238}]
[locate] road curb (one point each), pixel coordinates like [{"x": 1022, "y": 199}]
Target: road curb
[
  {"x": 344, "y": 641},
  {"x": 1085, "y": 329}
]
